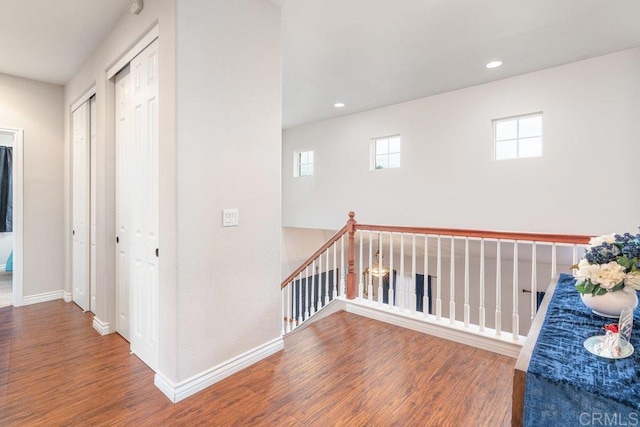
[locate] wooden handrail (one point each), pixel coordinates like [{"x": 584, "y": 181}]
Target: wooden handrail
[
  {"x": 317, "y": 253},
  {"x": 506, "y": 235},
  {"x": 352, "y": 226}
]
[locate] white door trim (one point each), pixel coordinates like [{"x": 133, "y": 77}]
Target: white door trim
[
  {"x": 145, "y": 41},
  {"x": 84, "y": 98},
  {"x": 18, "y": 197}
]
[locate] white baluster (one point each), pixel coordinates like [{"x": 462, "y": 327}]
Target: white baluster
[
  {"x": 369, "y": 276},
  {"x": 288, "y": 291},
  {"x": 466, "y": 283},
  {"x": 534, "y": 281},
  {"x": 498, "y": 290},
  {"x": 425, "y": 286},
  {"x": 391, "y": 281},
  {"x": 293, "y": 305},
  {"x": 380, "y": 289},
  {"x": 300, "y": 298},
  {"x": 313, "y": 288},
  {"x": 414, "y": 296},
  {"x": 306, "y": 280},
  {"x": 342, "y": 269},
  {"x": 318, "y": 273},
  {"x": 400, "y": 291},
  {"x": 439, "y": 280},
  {"x": 326, "y": 279},
  {"x": 316, "y": 286},
  {"x": 481, "y": 309},
  {"x": 515, "y": 317},
  {"x": 282, "y": 329},
  {"x": 334, "y": 294},
  {"x": 360, "y": 271},
  {"x": 452, "y": 283},
  {"x": 554, "y": 261}
]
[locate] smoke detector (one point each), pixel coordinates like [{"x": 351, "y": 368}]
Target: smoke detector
[{"x": 136, "y": 7}]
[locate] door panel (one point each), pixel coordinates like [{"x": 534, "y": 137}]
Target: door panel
[
  {"x": 123, "y": 200},
  {"x": 80, "y": 202},
  {"x": 137, "y": 196},
  {"x": 92, "y": 192}
]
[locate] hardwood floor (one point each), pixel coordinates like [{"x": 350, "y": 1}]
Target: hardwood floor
[{"x": 342, "y": 370}]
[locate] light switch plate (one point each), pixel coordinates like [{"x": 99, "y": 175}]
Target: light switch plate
[{"x": 230, "y": 217}]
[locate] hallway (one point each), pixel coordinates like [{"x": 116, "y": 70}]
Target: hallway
[{"x": 343, "y": 370}]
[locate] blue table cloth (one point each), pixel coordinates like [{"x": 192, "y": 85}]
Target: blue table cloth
[{"x": 568, "y": 386}]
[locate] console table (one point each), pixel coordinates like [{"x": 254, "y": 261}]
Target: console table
[{"x": 558, "y": 382}]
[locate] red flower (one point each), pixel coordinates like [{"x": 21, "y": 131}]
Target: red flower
[{"x": 613, "y": 327}]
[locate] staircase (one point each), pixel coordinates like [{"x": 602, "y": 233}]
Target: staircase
[{"x": 477, "y": 287}]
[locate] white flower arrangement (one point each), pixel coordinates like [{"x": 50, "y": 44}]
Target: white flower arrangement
[{"x": 611, "y": 263}]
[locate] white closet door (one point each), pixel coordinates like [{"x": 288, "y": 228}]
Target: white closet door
[
  {"x": 138, "y": 202},
  {"x": 144, "y": 231},
  {"x": 123, "y": 200},
  {"x": 92, "y": 174},
  {"x": 80, "y": 200}
]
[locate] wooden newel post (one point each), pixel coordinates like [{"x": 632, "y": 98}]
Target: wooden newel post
[{"x": 351, "y": 274}]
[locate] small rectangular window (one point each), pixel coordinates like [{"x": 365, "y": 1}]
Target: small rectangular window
[
  {"x": 385, "y": 152},
  {"x": 303, "y": 163},
  {"x": 517, "y": 137}
]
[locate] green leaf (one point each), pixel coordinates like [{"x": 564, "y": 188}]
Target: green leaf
[
  {"x": 624, "y": 261},
  {"x": 580, "y": 288},
  {"x": 600, "y": 291},
  {"x": 589, "y": 287},
  {"x": 618, "y": 287}
]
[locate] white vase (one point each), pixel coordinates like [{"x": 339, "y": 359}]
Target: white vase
[{"x": 611, "y": 303}]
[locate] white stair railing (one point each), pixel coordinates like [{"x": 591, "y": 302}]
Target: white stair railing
[
  {"x": 314, "y": 284},
  {"x": 477, "y": 272}
]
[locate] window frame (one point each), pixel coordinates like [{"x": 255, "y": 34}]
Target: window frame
[
  {"x": 373, "y": 156},
  {"x": 297, "y": 163},
  {"x": 518, "y": 138}
]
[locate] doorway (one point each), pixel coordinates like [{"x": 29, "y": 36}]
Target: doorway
[{"x": 11, "y": 232}]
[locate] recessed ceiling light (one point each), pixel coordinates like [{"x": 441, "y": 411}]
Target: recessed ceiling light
[
  {"x": 494, "y": 64},
  {"x": 338, "y": 105}
]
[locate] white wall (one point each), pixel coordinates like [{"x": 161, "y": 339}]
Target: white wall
[
  {"x": 37, "y": 108},
  {"x": 228, "y": 156},
  {"x": 583, "y": 183},
  {"x": 298, "y": 244},
  {"x": 128, "y": 31},
  {"x": 218, "y": 287}
]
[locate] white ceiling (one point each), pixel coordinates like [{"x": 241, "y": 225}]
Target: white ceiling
[
  {"x": 365, "y": 53},
  {"x": 48, "y": 40},
  {"x": 372, "y": 53}
]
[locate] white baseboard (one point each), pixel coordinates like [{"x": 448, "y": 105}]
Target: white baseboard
[
  {"x": 441, "y": 329},
  {"x": 177, "y": 392},
  {"x": 47, "y": 296},
  {"x": 100, "y": 326},
  {"x": 67, "y": 296}
]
